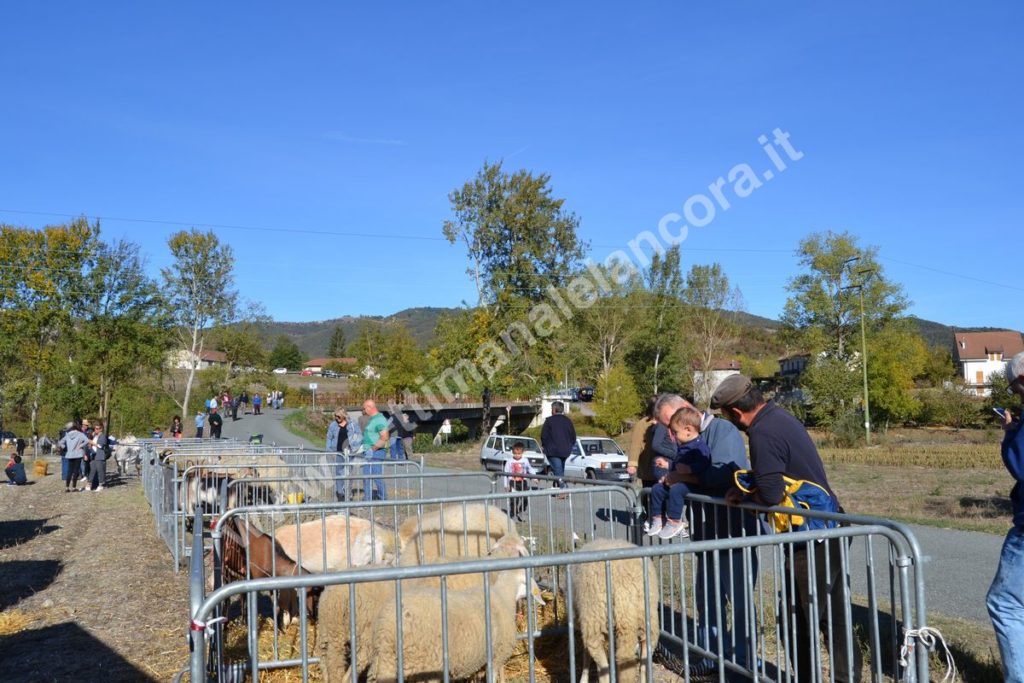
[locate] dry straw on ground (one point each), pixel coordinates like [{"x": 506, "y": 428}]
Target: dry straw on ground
[{"x": 13, "y": 621}]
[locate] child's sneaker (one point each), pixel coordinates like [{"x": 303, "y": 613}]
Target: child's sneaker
[
  {"x": 672, "y": 529},
  {"x": 652, "y": 527}
]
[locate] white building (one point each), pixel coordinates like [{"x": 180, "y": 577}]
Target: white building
[
  {"x": 185, "y": 359},
  {"x": 982, "y": 354},
  {"x": 703, "y": 387}
]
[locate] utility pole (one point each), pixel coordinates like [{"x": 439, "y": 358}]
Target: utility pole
[
  {"x": 864, "y": 273},
  {"x": 864, "y": 364}
]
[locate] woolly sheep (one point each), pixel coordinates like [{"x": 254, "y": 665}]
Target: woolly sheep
[
  {"x": 467, "y": 628},
  {"x": 351, "y": 542},
  {"x": 333, "y": 620},
  {"x": 462, "y": 531},
  {"x": 631, "y": 619}
]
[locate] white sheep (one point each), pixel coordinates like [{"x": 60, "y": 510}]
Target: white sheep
[
  {"x": 351, "y": 542},
  {"x": 467, "y": 625},
  {"x": 632, "y": 620},
  {"x": 453, "y": 533},
  {"x": 333, "y": 633}
]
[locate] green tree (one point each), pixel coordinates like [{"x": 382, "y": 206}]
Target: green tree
[
  {"x": 710, "y": 300},
  {"x": 241, "y": 341},
  {"x": 125, "y": 331},
  {"x": 392, "y": 352},
  {"x": 599, "y": 335},
  {"x": 286, "y": 354},
  {"x": 336, "y": 349},
  {"x": 658, "y": 351},
  {"x": 896, "y": 356},
  {"x": 41, "y": 291},
  {"x": 615, "y": 400},
  {"x": 939, "y": 367},
  {"x": 200, "y": 289},
  {"x": 830, "y": 385},
  {"x": 519, "y": 238},
  {"x": 823, "y": 311}
]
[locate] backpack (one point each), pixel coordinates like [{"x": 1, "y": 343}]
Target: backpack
[{"x": 800, "y": 494}]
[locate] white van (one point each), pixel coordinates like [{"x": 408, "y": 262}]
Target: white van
[
  {"x": 497, "y": 449},
  {"x": 595, "y": 457}
]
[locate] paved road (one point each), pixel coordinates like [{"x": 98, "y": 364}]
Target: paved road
[
  {"x": 958, "y": 565},
  {"x": 269, "y": 424}
]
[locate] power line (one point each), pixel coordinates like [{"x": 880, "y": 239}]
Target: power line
[{"x": 423, "y": 238}]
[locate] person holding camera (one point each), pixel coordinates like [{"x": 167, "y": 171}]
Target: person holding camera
[{"x": 1005, "y": 599}]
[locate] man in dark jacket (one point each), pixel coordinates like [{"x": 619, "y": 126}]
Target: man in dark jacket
[
  {"x": 216, "y": 422},
  {"x": 557, "y": 438},
  {"x": 780, "y": 446}
]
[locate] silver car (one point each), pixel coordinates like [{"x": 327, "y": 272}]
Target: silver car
[{"x": 497, "y": 449}]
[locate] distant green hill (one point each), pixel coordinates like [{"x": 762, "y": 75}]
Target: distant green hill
[{"x": 313, "y": 338}]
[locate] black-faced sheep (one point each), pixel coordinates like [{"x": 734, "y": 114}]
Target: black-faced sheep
[{"x": 633, "y": 620}]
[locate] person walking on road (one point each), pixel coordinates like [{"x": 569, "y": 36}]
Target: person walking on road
[
  {"x": 1005, "y": 599},
  {"x": 375, "y": 443},
  {"x": 780, "y": 446},
  {"x": 401, "y": 429},
  {"x": 557, "y": 438},
  {"x": 216, "y": 423},
  {"x": 74, "y": 444},
  {"x": 257, "y": 403}
]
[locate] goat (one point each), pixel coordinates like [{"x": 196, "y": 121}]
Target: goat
[{"x": 248, "y": 553}]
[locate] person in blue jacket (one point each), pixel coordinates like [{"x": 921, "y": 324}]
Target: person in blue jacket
[
  {"x": 1006, "y": 595},
  {"x": 715, "y": 594},
  {"x": 15, "y": 471}
]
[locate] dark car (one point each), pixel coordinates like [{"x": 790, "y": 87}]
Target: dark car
[
  {"x": 585, "y": 394},
  {"x": 331, "y": 373}
]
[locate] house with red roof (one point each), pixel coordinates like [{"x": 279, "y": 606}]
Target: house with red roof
[{"x": 982, "y": 354}]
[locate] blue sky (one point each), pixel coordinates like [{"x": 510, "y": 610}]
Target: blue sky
[{"x": 331, "y": 136}]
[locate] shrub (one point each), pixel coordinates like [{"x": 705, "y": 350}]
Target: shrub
[{"x": 847, "y": 429}]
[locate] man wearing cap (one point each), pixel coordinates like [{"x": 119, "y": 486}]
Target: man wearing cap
[
  {"x": 728, "y": 454},
  {"x": 1006, "y": 595},
  {"x": 780, "y": 445}
]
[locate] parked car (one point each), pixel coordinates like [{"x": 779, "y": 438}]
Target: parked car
[
  {"x": 585, "y": 394},
  {"x": 280, "y": 371},
  {"x": 306, "y": 373},
  {"x": 331, "y": 373},
  {"x": 559, "y": 394},
  {"x": 597, "y": 458},
  {"x": 497, "y": 449}
]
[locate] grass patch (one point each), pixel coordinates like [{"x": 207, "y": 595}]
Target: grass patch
[
  {"x": 940, "y": 487},
  {"x": 308, "y": 424}
]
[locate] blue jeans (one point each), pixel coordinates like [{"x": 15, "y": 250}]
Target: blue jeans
[
  {"x": 558, "y": 469},
  {"x": 1006, "y": 605},
  {"x": 342, "y": 469},
  {"x": 397, "y": 448},
  {"x": 710, "y": 522},
  {"x": 676, "y": 497},
  {"x": 379, "y": 492}
]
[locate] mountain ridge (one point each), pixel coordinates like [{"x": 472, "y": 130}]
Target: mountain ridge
[{"x": 313, "y": 337}]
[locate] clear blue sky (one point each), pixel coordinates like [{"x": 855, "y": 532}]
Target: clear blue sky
[{"x": 298, "y": 121}]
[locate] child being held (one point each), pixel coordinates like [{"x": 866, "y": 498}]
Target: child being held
[
  {"x": 515, "y": 468},
  {"x": 15, "y": 471},
  {"x": 668, "y": 497}
]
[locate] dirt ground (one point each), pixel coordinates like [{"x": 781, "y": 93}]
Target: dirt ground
[{"x": 87, "y": 591}]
